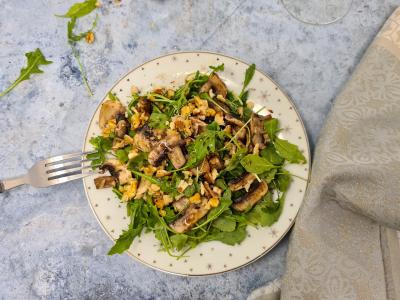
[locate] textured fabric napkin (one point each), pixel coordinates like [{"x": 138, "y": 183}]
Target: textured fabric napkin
[{"x": 343, "y": 245}]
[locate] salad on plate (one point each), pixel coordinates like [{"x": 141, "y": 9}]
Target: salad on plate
[{"x": 194, "y": 164}]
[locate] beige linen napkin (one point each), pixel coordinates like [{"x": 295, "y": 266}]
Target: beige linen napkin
[{"x": 343, "y": 245}]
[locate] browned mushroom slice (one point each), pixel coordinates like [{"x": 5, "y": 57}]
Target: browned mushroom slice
[
  {"x": 142, "y": 188},
  {"x": 232, "y": 120},
  {"x": 144, "y": 106},
  {"x": 247, "y": 201},
  {"x": 110, "y": 110},
  {"x": 104, "y": 182},
  {"x": 243, "y": 182},
  {"x": 198, "y": 126},
  {"x": 257, "y": 130},
  {"x": 180, "y": 204},
  {"x": 215, "y": 162},
  {"x": 158, "y": 154},
  {"x": 144, "y": 139},
  {"x": 192, "y": 214},
  {"x": 119, "y": 171},
  {"x": 241, "y": 134},
  {"x": 209, "y": 191},
  {"x": 122, "y": 128},
  {"x": 215, "y": 84},
  {"x": 177, "y": 157}
]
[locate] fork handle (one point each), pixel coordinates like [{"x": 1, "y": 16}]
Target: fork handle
[{"x": 11, "y": 183}]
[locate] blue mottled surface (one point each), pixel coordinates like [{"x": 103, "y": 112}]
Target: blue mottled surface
[{"x": 51, "y": 246}]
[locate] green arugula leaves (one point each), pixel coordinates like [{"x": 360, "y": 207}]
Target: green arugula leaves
[
  {"x": 102, "y": 146},
  {"x": 34, "y": 60},
  {"x": 79, "y": 10},
  {"x": 158, "y": 120},
  {"x": 247, "y": 78},
  {"x": 76, "y": 11},
  {"x": 256, "y": 164},
  {"x": 289, "y": 151},
  {"x": 218, "y": 68}
]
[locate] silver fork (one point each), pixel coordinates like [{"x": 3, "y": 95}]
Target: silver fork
[{"x": 54, "y": 170}]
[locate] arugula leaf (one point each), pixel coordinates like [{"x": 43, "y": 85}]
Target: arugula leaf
[
  {"x": 72, "y": 37},
  {"x": 158, "y": 120},
  {"x": 138, "y": 161},
  {"x": 234, "y": 102},
  {"x": 81, "y": 9},
  {"x": 283, "y": 180},
  {"x": 266, "y": 212},
  {"x": 34, "y": 60},
  {"x": 169, "y": 214},
  {"x": 204, "y": 144},
  {"x": 269, "y": 152},
  {"x": 225, "y": 223},
  {"x": 236, "y": 158},
  {"x": 225, "y": 203},
  {"x": 102, "y": 146},
  {"x": 221, "y": 67},
  {"x": 289, "y": 151},
  {"x": 138, "y": 219},
  {"x": 229, "y": 238},
  {"x": 191, "y": 190},
  {"x": 268, "y": 176},
  {"x": 256, "y": 164},
  {"x": 122, "y": 155},
  {"x": 179, "y": 241},
  {"x": 112, "y": 97},
  {"x": 247, "y": 78},
  {"x": 271, "y": 127}
]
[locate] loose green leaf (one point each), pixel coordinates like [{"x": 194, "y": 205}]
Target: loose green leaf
[
  {"x": 79, "y": 10},
  {"x": 268, "y": 176},
  {"x": 235, "y": 160},
  {"x": 256, "y": 164},
  {"x": 72, "y": 37},
  {"x": 138, "y": 161},
  {"x": 221, "y": 67},
  {"x": 269, "y": 152},
  {"x": 190, "y": 190},
  {"x": 266, "y": 212},
  {"x": 271, "y": 127},
  {"x": 34, "y": 60},
  {"x": 102, "y": 146},
  {"x": 289, "y": 151},
  {"x": 158, "y": 120},
  {"x": 247, "y": 78}
]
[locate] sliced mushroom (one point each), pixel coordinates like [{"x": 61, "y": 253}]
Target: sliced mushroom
[
  {"x": 215, "y": 84},
  {"x": 192, "y": 214},
  {"x": 144, "y": 139},
  {"x": 247, "y": 201},
  {"x": 215, "y": 162},
  {"x": 144, "y": 185},
  {"x": 198, "y": 126},
  {"x": 144, "y": 106},
  {"x": 117, "y": 170},
  {"x": 110, "y": 110},
  {"x": 105, "y": 182},
  {"x": 257, "y": 130},
  {"x": 158, "y": 154},
  {"x": 181, "y": 204},
  {"x": 209, "y": 191},
  {"x": 243, "y": 182},
  {"x": 232, "y": 120},
  {"x": 177, "y": 157},
  {"x": 241, "y": 134},
  {"x": 122, "y": 128}
]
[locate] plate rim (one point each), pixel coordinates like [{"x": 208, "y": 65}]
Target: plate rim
[{"x": 308, "y": 152}]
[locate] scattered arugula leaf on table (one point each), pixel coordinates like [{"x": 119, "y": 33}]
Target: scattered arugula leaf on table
[{"x": 34, "y": 60}]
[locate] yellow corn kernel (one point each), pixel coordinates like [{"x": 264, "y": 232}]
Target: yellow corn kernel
[
  {"x": 210, "y": 112},
  {"x": 162, "y": 212},
  {"x": 159, "y": 203},
  {"x": 170, "y": 93},
  {"x": 89, "y": 37},
  {"x": 130, "y": 191},
  {"x": 135, "y": 121},
  {"x": 110, "y": 127},
  {"x": 149, "y": 170},
  {"x": 214, "y": 202},
  {"x": 195, "y": 198},
  {"x": 186, "y": 111}
]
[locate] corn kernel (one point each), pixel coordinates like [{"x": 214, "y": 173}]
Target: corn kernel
[
  {"x": 109, "y": 128},
  {"x": 130, "y": 191},
  {"x": 149, "y": 170},
  {"x": 159, "y": 203},
  {"x": 210, "y": 112},
  {"x": 214, "y": 202},
  {"x": 195, "y": 198},
  {"x": 186, "y": 110},
  {"x": 89, "y": 37},
  {"x": 135, "y": 121},
  {"x": 170, "y": 93}
]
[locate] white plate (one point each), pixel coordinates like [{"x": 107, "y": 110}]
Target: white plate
[{"x": 212, "y": 257}]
